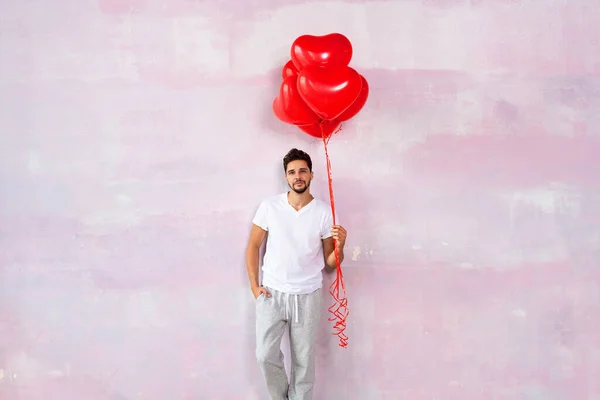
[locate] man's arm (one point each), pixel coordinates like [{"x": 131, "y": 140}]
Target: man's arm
[
  {"x": 329, "y": 252},
  {"x": 257, "y": 236},
  {"x": 339, "y": 235}
]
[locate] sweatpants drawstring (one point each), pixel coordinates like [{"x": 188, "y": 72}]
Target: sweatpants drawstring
[{"x": 287, "y": 297}]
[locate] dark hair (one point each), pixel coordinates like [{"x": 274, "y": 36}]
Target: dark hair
[{"x": 295, "y": 154}]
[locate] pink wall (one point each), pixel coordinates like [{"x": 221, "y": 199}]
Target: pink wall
[{"x": 470, "y": 186}]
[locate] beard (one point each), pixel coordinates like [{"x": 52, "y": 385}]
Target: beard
[{"x": 301, "y": 188}]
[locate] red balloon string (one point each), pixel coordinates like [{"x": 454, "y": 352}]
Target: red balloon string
[{"x": 337, "y": 289}]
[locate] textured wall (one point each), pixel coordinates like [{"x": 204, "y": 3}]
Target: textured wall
[{"x": 131, "y": 133}]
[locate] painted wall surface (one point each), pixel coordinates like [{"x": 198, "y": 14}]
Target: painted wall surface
[{"x": 137, "y": 140}]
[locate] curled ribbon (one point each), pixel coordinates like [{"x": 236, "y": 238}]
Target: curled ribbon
[{"x": 337, "y": 289}]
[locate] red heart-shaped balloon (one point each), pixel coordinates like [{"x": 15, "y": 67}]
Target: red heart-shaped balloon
[
  {"x": 358, "y": 103},
  {"x": 289, "y": 106},
  {"x": 331, "y": 50},
  {"x": 289, "y": 69},
  {"x": 329, "y": 127},
  {"x": 277, "y": 110},
  {"x": 329, "y": 91}
]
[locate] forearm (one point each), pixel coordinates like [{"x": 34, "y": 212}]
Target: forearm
[
  {"x": 252, "y": 256},
  {"x": 331, "y": 258}
]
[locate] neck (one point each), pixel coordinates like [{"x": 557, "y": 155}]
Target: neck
[{"x": 299, "y": 200}]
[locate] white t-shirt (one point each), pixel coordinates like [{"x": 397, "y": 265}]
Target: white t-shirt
[{"x": 293, "y": 260}]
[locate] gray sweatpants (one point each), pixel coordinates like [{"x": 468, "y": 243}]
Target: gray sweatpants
[{"x": 302, "y": 312}]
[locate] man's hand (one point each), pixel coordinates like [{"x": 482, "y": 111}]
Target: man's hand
[
  {"x": 256, "y": 291},
  {"x": 339, "y": 235}
]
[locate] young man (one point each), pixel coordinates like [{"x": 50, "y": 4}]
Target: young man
[{"x": 300, "y": 241}]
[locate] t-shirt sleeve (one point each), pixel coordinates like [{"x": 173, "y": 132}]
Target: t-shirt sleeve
[
  {"x": 327, "y": 224},
  {"x": 260, "y": 217}
]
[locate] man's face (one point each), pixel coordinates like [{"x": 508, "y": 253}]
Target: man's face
[{"x": 298, "y": 176}]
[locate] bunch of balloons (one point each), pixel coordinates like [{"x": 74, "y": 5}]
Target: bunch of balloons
[{"x": 319, "y": 90}]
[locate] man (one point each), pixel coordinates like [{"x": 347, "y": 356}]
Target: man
[{"x": 300, "y": 241}]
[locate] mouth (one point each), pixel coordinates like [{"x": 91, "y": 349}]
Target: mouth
[{"x": 298, "y": 183}]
